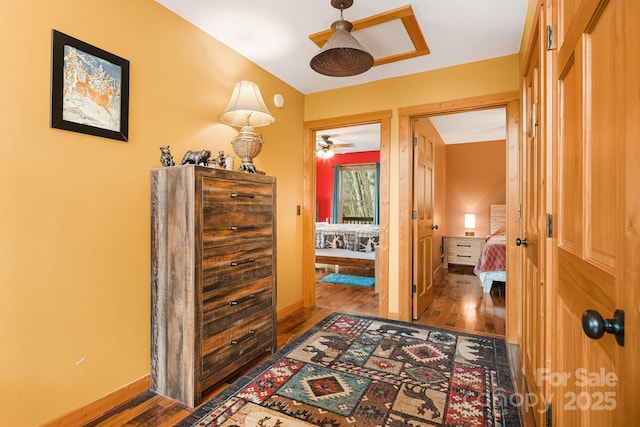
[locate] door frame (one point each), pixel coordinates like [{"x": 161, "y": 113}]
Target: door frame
[
  {"x": 508, "y": 100},
  {"x": 309, "y": 203}
]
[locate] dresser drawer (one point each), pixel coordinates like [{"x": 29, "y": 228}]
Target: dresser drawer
[
  {"x": 224, "y": 353},
  {"x": 498, "y": 210},
  {"x": 497, "y": 223},
  {"x": 463, "y": 250},
  {"x": 225, "y": 313},
  {"x": 233, "y": 211},
  {"x": 461, "y": 244},
  {"x": 241, "y": 263}
]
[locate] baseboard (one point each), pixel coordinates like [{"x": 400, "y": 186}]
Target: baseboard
[
  {"x": 290, "y": 309},
  {"x": 99, "y": 407},
  {"x": 96, "y": 409}
]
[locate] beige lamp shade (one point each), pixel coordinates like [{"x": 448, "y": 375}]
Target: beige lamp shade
[
  {"x": 469, "y": 224},
  {"x": 469, "y": 221},
  {"x": 246, "y": 107}
]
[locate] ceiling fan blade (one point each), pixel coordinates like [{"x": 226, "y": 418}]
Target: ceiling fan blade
[{"x": 348, "y": 145}]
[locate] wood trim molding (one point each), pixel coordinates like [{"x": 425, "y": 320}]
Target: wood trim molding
[
  {"x": 97, "y": 408},
  {"x": 509, "y": 100},
  {"x": 286, "y": 311},
  {"x": 309, "y": 205},
  {"x": 409, "y": 21}
]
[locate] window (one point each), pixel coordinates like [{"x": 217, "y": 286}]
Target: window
[{"x": 358, "y": 194}]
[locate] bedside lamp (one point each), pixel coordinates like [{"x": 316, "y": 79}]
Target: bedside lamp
[
  {"x": 247, "y": 110},
  {"x": 469, "y": 224}
]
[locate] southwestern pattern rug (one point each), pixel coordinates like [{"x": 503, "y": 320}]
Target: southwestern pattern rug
[{"x": 363, "y": 371}]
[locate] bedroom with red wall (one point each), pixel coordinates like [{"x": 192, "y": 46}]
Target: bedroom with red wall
[{"x": 324, "y": 178}]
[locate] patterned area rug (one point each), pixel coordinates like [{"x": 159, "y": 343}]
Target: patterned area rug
[
  {"x": 348, "y": 279},
  {"x": 360, "y": 371}
]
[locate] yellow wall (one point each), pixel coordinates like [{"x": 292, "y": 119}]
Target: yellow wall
[
  {"x": 487, "y": 77},
  {"x": 74, "y": 215}
]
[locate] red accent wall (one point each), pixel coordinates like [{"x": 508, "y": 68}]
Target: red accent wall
[{"x": 324, "y": 177}]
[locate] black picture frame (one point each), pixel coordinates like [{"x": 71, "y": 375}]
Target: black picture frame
[{"x": 89, "y": 89}]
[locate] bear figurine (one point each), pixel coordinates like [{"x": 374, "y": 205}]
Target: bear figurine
[
  {"x": 196, "y": 157},
  {"x": 166, "y": 158}
]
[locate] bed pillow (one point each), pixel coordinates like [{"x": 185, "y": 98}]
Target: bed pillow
[
  {"x": 367, "y": 244},
  {"x": 334, "y": 241}
]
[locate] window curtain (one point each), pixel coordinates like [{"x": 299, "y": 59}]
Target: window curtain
[
  {"x": 376, "y": 200},
  {"x": 337, "y": 190}
]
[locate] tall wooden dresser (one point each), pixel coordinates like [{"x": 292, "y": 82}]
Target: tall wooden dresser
[{"x": 213, "y": 276}]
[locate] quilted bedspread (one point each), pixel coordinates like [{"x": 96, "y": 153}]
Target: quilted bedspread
[{"x": 494, "y": 255}]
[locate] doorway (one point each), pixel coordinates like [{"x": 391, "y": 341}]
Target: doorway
[
  {"x": 510, "y": 101},
  {"x": 311, "y": 129}
]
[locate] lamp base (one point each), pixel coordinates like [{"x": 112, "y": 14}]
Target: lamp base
[
  {"x": 247, "y": 145},
  {"x": 469, "y": 233}
]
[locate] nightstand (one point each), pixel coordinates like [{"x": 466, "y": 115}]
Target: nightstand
[{"x": 462, "y": 250}]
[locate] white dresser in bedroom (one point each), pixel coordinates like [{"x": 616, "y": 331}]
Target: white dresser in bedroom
[{"x": 498, "y": 217}]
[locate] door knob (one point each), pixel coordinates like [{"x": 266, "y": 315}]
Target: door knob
[
  {"x": 522, "y": 242},
  {"x": 434, "y": 227},
  {"x": 594, "y": 326}
]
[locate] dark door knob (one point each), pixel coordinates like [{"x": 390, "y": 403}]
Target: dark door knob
[
  {"x": 434, "y": 227},
  {"x": 594, "y": 325},
  {"x": 522, "y": 242}
]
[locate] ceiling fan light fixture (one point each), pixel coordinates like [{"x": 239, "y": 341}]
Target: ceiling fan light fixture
[
  {"x": 325, "y": 148},
  {"x": 342, "y": 55},
  {"x": 325, "y": 153}
]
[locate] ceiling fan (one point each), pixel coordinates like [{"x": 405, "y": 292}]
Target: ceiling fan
[{"x": 325, "y": 147}]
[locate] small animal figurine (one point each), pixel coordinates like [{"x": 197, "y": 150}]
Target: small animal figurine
[
  {"x": 221, "y": 159},
  {"x": 166, "y": 158},
  {"x": 196, "y": 157}
]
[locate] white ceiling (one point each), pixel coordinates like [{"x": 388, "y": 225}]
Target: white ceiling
[
  {"x": 274, "y": 34},
  {"x": 458, "y": 128}
]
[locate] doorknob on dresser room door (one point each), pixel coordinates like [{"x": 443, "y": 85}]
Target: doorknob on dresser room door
[
  {"x": 434, "y": 227},
  {"x": 594, "y": 325},
  {"x": 522, "y": 242}
]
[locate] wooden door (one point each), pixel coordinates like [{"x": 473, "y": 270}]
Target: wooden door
[
  {"x": 595, "y": 381},
  {"x": 422, "y": 216},
  {"x": 532, "y": 230}
]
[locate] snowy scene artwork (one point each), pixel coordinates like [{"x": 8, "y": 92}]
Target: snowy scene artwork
[{"x": 89, "y": 89}]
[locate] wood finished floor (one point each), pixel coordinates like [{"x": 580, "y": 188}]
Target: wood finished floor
[{"x": 459, "y": 304}]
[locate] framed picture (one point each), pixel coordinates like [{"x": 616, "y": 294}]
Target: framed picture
[{"x": 89, "y": 89}]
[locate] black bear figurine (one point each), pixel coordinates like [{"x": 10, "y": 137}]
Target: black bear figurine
[
  {"x": 196, "y": 157},
  {"x": 166, "y": 158}
]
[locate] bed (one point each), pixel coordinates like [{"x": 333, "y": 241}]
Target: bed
[
  {"x": 492, "y": 263},
  {"x": 350, "y": 245}
]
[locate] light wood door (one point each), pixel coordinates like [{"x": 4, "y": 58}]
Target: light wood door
[
  {"x": 423, "y": 216},
  {"x": 595, "y": 381},
  {"x": 533, "y": 307},
  {"x": 532, "y": 242}
]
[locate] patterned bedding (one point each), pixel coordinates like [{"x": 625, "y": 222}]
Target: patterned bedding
[
  {"x": 494, "y": 254},
  {"x": 354, "y": 237}
]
